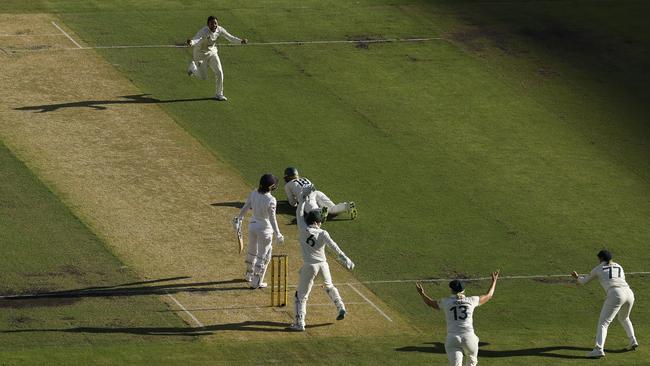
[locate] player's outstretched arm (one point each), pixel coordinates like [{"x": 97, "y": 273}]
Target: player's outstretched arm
[
  {"x": 487, "y": 297},
  {"x": 427, "y": 300},
  {"x": 581, "y": 280}
]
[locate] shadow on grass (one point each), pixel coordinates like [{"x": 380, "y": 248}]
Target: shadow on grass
[
  {"x": 58, "y": 298},
  {"x": 100, "y": 104},
  {"x": 438, "y": 347},
  {"x": 550, "y": 351},
  {"x": 246, "y": 326}
]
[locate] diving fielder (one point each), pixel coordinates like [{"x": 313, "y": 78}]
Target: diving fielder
[
  {"x": 620, "y": 299},
  {"x": 205, "y": 53},
  {"x": 295, "y": 186},
  {"x": 313, "y": 240},
  {"x": 261, "y": 228},
  {"x": 459, "y": 310}
]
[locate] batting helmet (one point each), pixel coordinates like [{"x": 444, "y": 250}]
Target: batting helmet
[{"x": 268, "y": 182}]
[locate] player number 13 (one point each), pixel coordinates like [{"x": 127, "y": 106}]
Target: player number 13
[{"x": 462, "y": 309}]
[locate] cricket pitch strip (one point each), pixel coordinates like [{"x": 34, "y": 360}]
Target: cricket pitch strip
[{"x": 145, "y": 187}]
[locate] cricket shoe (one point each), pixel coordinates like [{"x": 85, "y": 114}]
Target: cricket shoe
[
  {"x": 352, "y": 208},
  {"x": 220, "y": 98},
  {"x": 261, "y": 285},
  {"x": 296, "y": 328},
  {"x": 341, "y": 315},
  {"x": 633, "y": 346},
  {"x": 248, "y": 277},
  {"x": 596, "y": 353}
]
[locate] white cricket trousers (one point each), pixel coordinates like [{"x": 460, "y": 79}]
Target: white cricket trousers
[
  {"x": 619, "y": 300},
  {"x": 308, "y": 274},
  {"x": 320, "y": 199},
  {"x": 209, "y": 58},
  {"x": 459, "y": 345},
  {"x": 260, "y": 236}
]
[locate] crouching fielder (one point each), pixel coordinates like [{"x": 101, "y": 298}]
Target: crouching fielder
[
  {"x": 295, "y": 186},
  {"x": 262, "y": 226},
  {"x": 205, "y": 53},
  {"x": 459, "y": 310},
  {"x": 620, "y": 299},
  {"x": 313, "y": 240}
]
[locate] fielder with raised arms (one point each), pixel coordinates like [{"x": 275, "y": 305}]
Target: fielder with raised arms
[
  {"x": 295, "y": 186},
  {"x": 262, "y": 226},
  {"x": 459, "y": 312},
  {"x": 313, "y": 240},
  {"x": 205, "y": 53},
  {"x": 620, "y": 299}
]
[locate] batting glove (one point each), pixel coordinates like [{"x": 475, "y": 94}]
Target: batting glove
[{"x": 279, "y": 238}]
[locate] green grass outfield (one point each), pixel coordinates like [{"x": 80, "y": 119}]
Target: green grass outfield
[{"x": 520, "y": 143}]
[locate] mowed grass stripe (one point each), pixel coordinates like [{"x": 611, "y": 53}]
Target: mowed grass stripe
[{"x": 45, "y": 249}]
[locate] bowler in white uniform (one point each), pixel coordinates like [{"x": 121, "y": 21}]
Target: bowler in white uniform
[
  {"x": 620, "y": 300},
  {"x": 205, "y": 53},
  {"x": 459, "y": 312},
  {"x": 262, "y": 227},
  {"x": 295, "y": 186},
  {"x": 313, "y": 240}
]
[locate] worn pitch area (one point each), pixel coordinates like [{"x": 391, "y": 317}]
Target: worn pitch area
[{"x": 148, "y": 188}]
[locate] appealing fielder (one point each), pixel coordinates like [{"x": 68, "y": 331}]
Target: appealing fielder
[
  {"x": 205, "y": 53},
  {"x": 296, "y": 185},
  {"x": 620, "y": 299},
  {"x": 313, "y": 240},
  {"x": 262, "y": 226},
  {"x": 459, "y": 310}
]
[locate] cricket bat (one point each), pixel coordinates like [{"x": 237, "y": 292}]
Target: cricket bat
[{"x": 236, "y": 223}]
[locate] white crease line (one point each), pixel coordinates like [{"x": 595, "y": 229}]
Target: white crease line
[
  {"x": 33, "y": 35},
  {"x": 67, "y": 35},
  {"x": 371, "y": 303},
  {"x": 260, "y": 307},
  {"x": 477, "y": 278},
  {"x": 185, "y": 310}
]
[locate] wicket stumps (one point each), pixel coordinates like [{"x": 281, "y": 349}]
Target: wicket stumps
[{"x": 279, "y": 277}]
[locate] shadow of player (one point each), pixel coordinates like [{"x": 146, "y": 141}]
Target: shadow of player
[
  {"x": 100, "y": 104},
  {"x": 245, "y": 326},
  {"x": 550, "y": 351}
]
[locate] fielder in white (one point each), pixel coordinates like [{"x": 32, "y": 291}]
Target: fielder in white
[
  {"x": 295, "y": 186},
  {"x": 313, "y": 240},
  {"x": 620, "y": 299},
  {"x": 459, "y": 310},
  {"x": 205, "y": 53},
  {"x": 261, "y": 228}
]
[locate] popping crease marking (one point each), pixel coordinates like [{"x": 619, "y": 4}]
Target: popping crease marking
[
  {"x": 185, "y": 310},
  {"x": 67, "y": 35}
]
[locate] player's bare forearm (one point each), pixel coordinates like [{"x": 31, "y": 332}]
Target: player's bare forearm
[
  {"x": 487, "y": 297},
  {"x": 427, "y": 300}
]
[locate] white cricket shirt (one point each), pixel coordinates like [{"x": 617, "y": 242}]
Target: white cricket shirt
[
  {"x": 313, "y": 240},
  {"x": 458, "y": 312},
  {"x": 609, "y": 274},
  {"x": 263, "y": 206},
  {"x": 294, "y": 189},
  {"x": 206, "y": 40}
]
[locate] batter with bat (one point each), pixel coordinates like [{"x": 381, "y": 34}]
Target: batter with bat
[{"x": 262, "y": 227}]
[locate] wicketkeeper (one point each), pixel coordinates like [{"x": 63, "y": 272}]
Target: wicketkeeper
[
  {"x": 313, "y": 240},
  {"x": 261, "y": 229}
]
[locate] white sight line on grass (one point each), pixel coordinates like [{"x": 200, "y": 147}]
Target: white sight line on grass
[
  {"x": 261, "y": 307},
  {"x": 275, "y": 43},
  {"x": 185, "y": 310},
  {"x": 67, "y": 35},
  {"x": 370, "y": 302}
]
